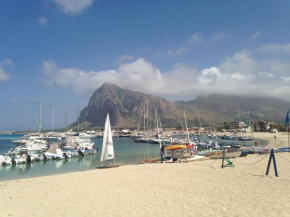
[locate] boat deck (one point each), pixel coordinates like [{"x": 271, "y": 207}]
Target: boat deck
[{"x": 52, "y": 148}]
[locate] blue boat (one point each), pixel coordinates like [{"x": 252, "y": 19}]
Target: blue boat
[{"x": 284, "y": 149}]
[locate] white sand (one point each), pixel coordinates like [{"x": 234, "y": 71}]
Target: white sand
[{"x": 169, "y": 189}]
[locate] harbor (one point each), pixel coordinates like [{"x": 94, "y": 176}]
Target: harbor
[{"x": 127, "y": 151}]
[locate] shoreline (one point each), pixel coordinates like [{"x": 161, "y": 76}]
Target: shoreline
[
  {"x": 64, "y": 173},
  {"x": 280, "y": 141}
]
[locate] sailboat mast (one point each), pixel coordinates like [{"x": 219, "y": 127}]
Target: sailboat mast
[
  {"x": 52, "y": 125},
  {"x": 186, "y": 127},
  {"x": 178, "y": 115},
  {"x": 250, "y": 124},
  {"x": 160, "y": 122},
  {"x": 197, "y": 129},
  {"x": 138, "y": 126},
  {"x": 147, "y": 116},
  {"x": 78, "y": 117},
  {"x": 214, "y": 128},
  {"x": 199, "y": 121},
  {"x": 40, "y": 126},
  {"x": 213, "y": 122},
  {"x": 144, "y": 118},
  {"x": 158, "y": 135},
  {"x": 65, "y": 121},
  {"x": 157, "y": 125},
  {"x": 239, "y": 115}
]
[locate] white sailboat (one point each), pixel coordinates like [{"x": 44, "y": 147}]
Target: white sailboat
[{"x": 108, "y": 149}]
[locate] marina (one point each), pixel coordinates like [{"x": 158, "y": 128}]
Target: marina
[{"x": 126, "y": 151}]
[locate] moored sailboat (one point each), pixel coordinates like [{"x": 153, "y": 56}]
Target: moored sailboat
[{"x": 107, "y": 148}]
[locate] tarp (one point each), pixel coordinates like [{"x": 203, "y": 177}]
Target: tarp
[{"x": 175, "y": 147}]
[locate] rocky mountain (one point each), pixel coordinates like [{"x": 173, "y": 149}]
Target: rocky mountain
[{"x": 127, "y": 108}]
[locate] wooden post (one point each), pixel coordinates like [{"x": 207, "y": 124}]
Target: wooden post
[
  {"x": 272, "y": 156},
  {"x": 224, "y": 154}
]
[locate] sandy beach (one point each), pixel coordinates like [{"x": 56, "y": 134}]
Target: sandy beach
[{"x": 170, "y": 189}]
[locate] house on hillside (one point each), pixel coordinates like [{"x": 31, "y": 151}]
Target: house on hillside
[
  {"x": 263, "y": 125},
  {"x": 236, "y": 125}
]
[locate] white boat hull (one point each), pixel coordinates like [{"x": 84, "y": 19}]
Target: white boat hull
[{"x": 109, "y": 166}]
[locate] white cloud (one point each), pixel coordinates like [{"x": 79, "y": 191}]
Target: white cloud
[
  {"x": 211, "y": 71},
  {"x": 196, "y": 38},
  {"x": 239, "y": 74},
  {"x": 286, "y": 79},
  {"x": 204, "y": 81},
  {"x": 73, "y": 7},
  {"x": 42, "y": 20},
  {"x": 139, "y": 72},
  {"x": 241, "y": 62},
  {"x": 7, "y": 62},
  {"x": 4, "y": 76},
  {"x": 275, "y": 48},
  {"x": 124, "y": 58},
  {"x": 267, "y": 74},
  {"x": 199, "y": 38},
  {"x": 179, "y": 51},
  {"x": 219, "y": 36},
  {"x": 256, "y": 35}
]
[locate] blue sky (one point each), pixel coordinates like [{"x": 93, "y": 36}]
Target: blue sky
[{"x": 60, "y": 51}]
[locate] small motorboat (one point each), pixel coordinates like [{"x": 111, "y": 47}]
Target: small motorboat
[
  {"x": 7, "y": 161},
  {"x": 1, "y": 159}
]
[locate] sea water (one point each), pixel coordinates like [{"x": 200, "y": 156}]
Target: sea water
[
  {"x": 126, "y": 151},
  {"x": 6, "y": 142}
]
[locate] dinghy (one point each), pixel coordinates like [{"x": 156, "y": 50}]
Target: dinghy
[{"x": 108, "y": 149}]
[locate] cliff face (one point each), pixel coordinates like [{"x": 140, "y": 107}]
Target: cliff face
[{"x": 126, "y": 108}]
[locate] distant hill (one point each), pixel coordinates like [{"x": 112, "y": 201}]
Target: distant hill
[
  {"x": 127, "y": 107},
  {"x": 227, "y": 108}
]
